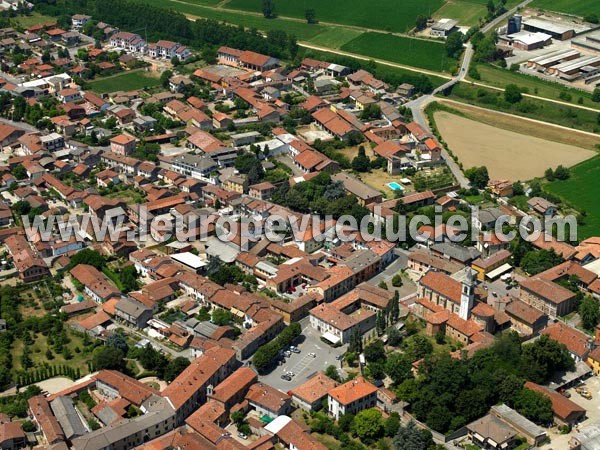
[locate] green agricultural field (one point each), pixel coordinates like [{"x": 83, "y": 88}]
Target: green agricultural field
[
  {"x": 501, "y": 77},
  {"x": 381, "y": 70},
  {"x": 467, "y": 13},
  {"x": 388, "y": 15},
  {"x": 126, "y": 81},
  {"x": 411, "y": 52},
  {"x": 571, "y": 117},
  {"x": 300, "y": 29},
  {"x": 577, "y": 7},
  {"x": 33, "y": 19},
  {"x": 582, "y": 191},
  {"x": 335, "y": 37}
]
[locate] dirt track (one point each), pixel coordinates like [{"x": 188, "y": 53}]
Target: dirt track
[{"x": 505, "y": 153}]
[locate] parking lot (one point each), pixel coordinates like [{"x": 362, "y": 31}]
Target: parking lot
[{"x": 302, "y": 364}]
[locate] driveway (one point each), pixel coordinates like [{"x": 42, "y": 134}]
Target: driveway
[{"x": 301, "y": 363}]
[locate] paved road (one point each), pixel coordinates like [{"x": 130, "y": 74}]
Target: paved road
[
  {"x": 21, "y": 125},
  {"x": 301, "y": 363},
  {"x": 417, "y": 106}
]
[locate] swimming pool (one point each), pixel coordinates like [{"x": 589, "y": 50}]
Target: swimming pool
[{"x": 395, "y": 186}]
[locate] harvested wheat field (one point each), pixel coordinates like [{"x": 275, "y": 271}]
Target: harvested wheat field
[{"x": 505, "y": 153}]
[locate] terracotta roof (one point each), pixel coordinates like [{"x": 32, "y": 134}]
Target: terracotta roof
[
  {"x": 40, "y": 408},
  {"x": 483, "y": 310},
  {"x": 443, "y": 284},
  {"x": 567, "y": 269},
  {"x": 352, "y": 391},
  {"x": 197, "y": 375},
  {"x": 546, "y": 242},
  {"x": 315, "y": 388},
  {"x": 523, "y": 312},
  {"x": 547, "y": 290},
  {"x": 239, "y": 380},
  {"x": 122, "y": 139},
  {"x": 576, "y": 341},
  {"x": 128, "y": 388},
  {"x": 267, "y": 396},
  {"x": 561, "y": 405}
]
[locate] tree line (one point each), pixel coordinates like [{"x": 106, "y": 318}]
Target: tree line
[{"x": 161, "y": 23}]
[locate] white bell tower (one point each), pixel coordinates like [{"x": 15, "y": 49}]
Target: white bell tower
[{"x": 467, "y": 295}]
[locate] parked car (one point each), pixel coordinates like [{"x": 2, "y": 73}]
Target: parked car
[
  {"x": 242, "y": 435},
  {"x": 313, "y": 354}
]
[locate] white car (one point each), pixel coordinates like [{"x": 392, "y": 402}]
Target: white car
[{"x": 314, "y": 355}]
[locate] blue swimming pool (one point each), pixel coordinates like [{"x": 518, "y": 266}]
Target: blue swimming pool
[{"x": 395, "y": 186}]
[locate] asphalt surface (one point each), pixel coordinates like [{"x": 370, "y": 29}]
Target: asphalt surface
[{"x": 302, "y": 364}]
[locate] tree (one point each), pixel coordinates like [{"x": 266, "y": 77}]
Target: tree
[
  {"x": 416, "y": 347},
  {"x": 397, "y": 280},
  {"x": 420, "y": 22},
  {"x": 221, "y": 316},
  {"x": 361, "y": 162},
  {"x": 117, "y": 340},
  {"x": 375, "y": 352},
  {"x": 371, "y": 112},
  {"x": 19, "y": 172},
  {"x": 512, "y": 93},
  {"x": 268, "y": 9},
  {"x": 391, "y": 426},
  {"x": 536, "y": 261},
  {"x": 517, "y": 188},
  {"x": 454, "y": 44},
  {"x": 541, "y": 359},
  {"x": 561, "y": 173},
  {"x": 478, "y": 176},
  {"x": 409, "y": 437},
  {"x": 175, "y": 367},
  {"x": 533, "y": 405},
  {"x": 596, "y": 95},
  {"x": 332, "y": 373},
  {"x": 394, "y": 337},
  {"x": 165, "y": 77},
  {"x": 311, "y": 15},
  {"x": 110, "y": 358},
  {"x": 368, "y": 425},
  {"x": 398, "y": 368},
  {"x": 589, "y": 311},
  {"x": 549, "y": 174}
]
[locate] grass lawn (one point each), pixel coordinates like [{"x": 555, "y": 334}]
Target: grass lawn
[
  {"x": 335, "y": 37},
  {"x": 38, "y": 352},
  {"x": 388, "y": 15},
  {"x": 300, "y": 29},
  {"x": 126, "y": 81},
  {"x": 33, "y": 19},
  {"x": 582, "y": 191},
  {"x": 411, "y": 52},
  {"x": 129, "y": 194},
  {"x": 533, "y": 108},
  {"x": 577, "y": 7},
  {"x": 535, "y": 86},
  {"x": 467, "y": 13}
]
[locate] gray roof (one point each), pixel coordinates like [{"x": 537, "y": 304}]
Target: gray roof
[
  {"x": 489, "y": 215},
  {"x": 159, "y": 410},
  {"x": 132, "y": 307},
  {"x": 67, "y": 416},
  {"x": 455, "y": 251},
  {"x": 515, "y": 419},
  {"x": 589, "y": 436},
  {"x": 360, "y": 259},
  {"x": 205, "y": 329}
]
